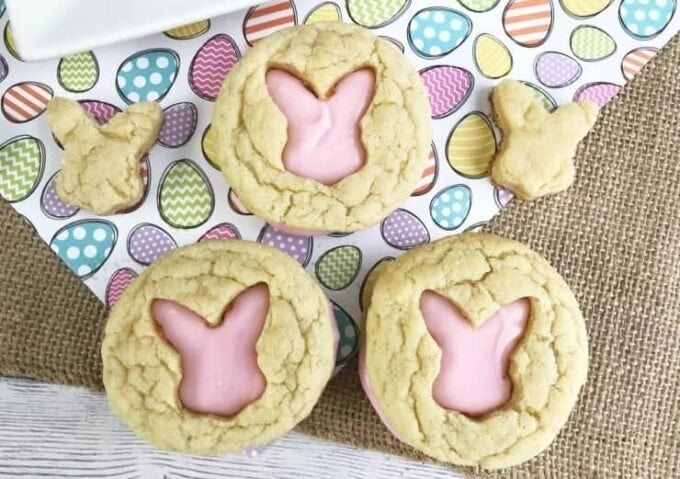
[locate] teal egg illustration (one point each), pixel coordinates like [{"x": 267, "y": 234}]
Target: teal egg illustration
[
  {"x": 644, "y": 19},
  {"x": 147, "y": 75},
  {"x": 78, "y": 73},
  {"x": 375, "y": 13},
  {"x": 22, "y": 160},
  {"x": 338, "y": 267},
  {"x": 185, "y": 197},
  {"x": 349, "y": 335},
  {"x": 451, "y": 206},
  {"x": 437, "y": 31},
  {"x": 85, "y": 245}
]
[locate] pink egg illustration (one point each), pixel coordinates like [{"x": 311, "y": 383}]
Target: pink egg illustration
[
  {"x": 599, "y": 92},
  {"x": 448, "y": 87},
  {"x": 634, "y": 60},
  {"x": 223, "y": 231},
  {"x": 211, "y": 64},
  {"x": 117, "y": 285},
  {"x": 268, "y": 17},
  {"x": 429, "y": 176},
  {"x": 100, "y": 110}
]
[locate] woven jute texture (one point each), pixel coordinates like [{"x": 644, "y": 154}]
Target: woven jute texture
[{"x": 615, "y": 236}]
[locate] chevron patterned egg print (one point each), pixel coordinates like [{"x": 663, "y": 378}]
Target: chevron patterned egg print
[
  {"x": 429, "y": 176},
  {"x": 528, "y": 22},
  {"x": 213, "y": 61},
  {"x": 644, "y": 19},
  {"x": 100, "y": 110},
  {"x": 546, "y": 100},
  {"x": 117, "y": 285},
  {"x": 78, "y": 73},
  {"x": 556, "y": 70},
  {"x": 326, "y": 12},
  {"x": 493, "y": 59},
  {"x": 4, "y": 68},
  {"x": 591, "y": 43},
  {"x": 179, "y": 125},
  {"x": 349, "y": 335},
  {"x": 471, "y": 146},
  {"x": 209, "y": 147},
  {"x": 85, "y": 245},
  {"x": 436, "y": 32},
  {"x": 9, "y": 42},
  {"x": 448, "y": 87},
  {"x": 584, "y": 8},
  {"x": 403, "y": 230},
  {"x": 187, "y": 32},
  {"x": 147, "y": 75},
  {"x": 298, "y": 247},
  {"x": 376, "y": 13},
  {"x": 25, "y": 101},
  {"x": 52, "y": 205},
  {"x": 223, "y": 231},
  {"x": 147, "y": 242},
  {"x": 185, "y": 197},
  {"x": 634, "y": 60},
  {"x": 451, "y": 207},
  {"x": 338, "y": 267},
  {"x": 598, "y": 92},
  {"x": 268, "y": 17},
  {"x": 22, "y": 160}
]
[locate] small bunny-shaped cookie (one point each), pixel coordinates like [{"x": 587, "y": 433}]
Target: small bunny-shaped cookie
[
  {"x": 536, "y": 156},
  {"x": 101, "y": 170}
]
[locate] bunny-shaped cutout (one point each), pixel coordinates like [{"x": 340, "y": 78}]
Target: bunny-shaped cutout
[
  {"x": 101, "y": 170},
  {"x": 324, "y": 141},
  {"x": 220, "y": 374},
  {"x": 473, "y": 375},
  {"x": 536, "y": 156}
]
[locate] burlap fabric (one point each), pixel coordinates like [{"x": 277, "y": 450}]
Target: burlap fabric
[{"x": 615, "y": 236}]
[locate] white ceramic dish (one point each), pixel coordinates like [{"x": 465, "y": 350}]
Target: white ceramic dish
[{"x": 46, "y": 29}]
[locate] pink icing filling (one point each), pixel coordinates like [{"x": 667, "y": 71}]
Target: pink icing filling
[
  {"x": 323, "y": 135},
  {"x": 220, "y": 374}
]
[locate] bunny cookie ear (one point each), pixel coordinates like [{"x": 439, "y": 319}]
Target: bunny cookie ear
[
  {"x": 181, "y": 327},
  {"x": 138, "y": 125},
  {"x": 355, "y": 92},
  {"x": 66, "y": 117},
  {"x": 515, "y": 106},
  {"x": 296, "y": 102},
  {"x": 247, "y": 312},
  {"x": 441, "y": 316}
]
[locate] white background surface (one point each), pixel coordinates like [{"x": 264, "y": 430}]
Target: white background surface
[{"x": 62, "y": 432}]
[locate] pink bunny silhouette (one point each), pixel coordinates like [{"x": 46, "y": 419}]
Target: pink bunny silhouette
[
  {"x": 220, "y": 374},
  {"x": 473, "y": 376},
  {"x": 323, "y": 134}
]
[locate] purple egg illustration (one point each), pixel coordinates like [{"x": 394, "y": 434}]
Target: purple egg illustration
[
  {"x": 147, "y": 242},
  {"x": 599, "y": 92},
  {"x": 4, "y": 68},
  {"x": 179, "y": 125},
  {"x": 404, "y": 230},
  {"x": 448, "y": 87},
  {"x": 298, "y": 246},
  {"x": 502, "y": 197},
  {"x": 556, "y": 70},
  {"x": 52, "y": 205}
]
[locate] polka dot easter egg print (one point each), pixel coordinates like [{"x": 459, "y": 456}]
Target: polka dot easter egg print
[
  {"x": 117, "y": 285},
  {"x": 326, "y": 12},
  {"x": 147, "y": 75},
  {"x": 223, "y": 231},
  {"x": 25, "y": 101},
  {"x": 591, "y": 44},
  {"x": 479, "y": 5},
  {"x": 376, "y": 13},
  {"x": 584, "y": 8},
  {"x": 22, "y": 160},
  {"x": 100, "y": 110},
  {"x": 430, "y": 173},
  {"x": 298, "y": 247},
  {"x": 528, "y": 22},
  {"x": 502, "y": 197},
  {"x": 52, "y": 205},
  {"x": 644, "y": 19},
  {"x": 492, "y": 57},
  {"x": 451, "y": 207},
  {"x": 187, "y": 32},
  {"x": 599, "y": 92},
  {"x": 85, "y": 245},
  {"x": 78, "y": 73},
  {"x": 268, "y": 17},
  {"x": 403, "y": 230},
  {"x": 556, "y": 70},
  {"x": 471, "y": 146},
  {"x": 448, "y": 88},
  {"x": 349, "y": 335},
  {"x": 179, "y": 125},
  {"x": 211, "y": 64},
  {"x": 338, "y": 267},
  {"x": 147, "y": 242},
  {"x": 634, "y": 60},
  {"x": 436, "y": 32},
  {"x": 185, "y": 197}
]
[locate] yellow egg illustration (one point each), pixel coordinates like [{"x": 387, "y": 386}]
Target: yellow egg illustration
[
  {"x": 471, "y": 146},
  {"x": 192, "y": 30},
  {"x": 9, "y": 42},
  {"x": 584, "y": 8},
  {"x": 326, "y": 12},
  {"x": 492, "y": 57}
]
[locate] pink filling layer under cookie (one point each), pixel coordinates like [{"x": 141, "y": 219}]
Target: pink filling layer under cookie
[{"x": 324, "y": 141}]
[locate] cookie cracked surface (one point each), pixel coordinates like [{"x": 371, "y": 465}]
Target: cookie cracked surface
[
  {"x": 479, "y": 273},
  {"x": 251, "y": 131},
  {"x": 295, "y": 351}
]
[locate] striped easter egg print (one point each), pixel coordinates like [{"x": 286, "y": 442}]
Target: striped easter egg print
[
  {"x": 25, "y": 101},
  {"x": 187, "y": 32},
  {"x": 528, "y": 22},
  {"x": 584, "y": 8},
  {"x": 266, "y": 18},
  {"x": 634, "y": 60},
  {"x": 493, "y": 59},
  {"x": 471, "y": 146},
  {"x": 325, "y": 12},
  {"x": 9, "y": 42},
  {"x": 430, "y": 173}
]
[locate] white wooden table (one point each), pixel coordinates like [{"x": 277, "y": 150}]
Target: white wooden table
[{"x": 57, "y": 431}]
